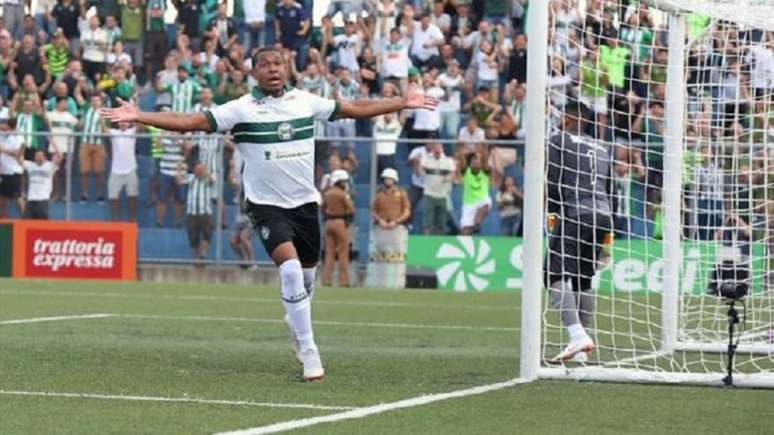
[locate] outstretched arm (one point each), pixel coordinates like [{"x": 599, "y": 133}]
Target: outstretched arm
[
  {"x": 413, "y": 99},
  {"x": 128, "y": 112}
]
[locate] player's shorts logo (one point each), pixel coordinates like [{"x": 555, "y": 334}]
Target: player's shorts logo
[
  {"x": 265, "y": 232},
  {"x": 285, "y": 131}
]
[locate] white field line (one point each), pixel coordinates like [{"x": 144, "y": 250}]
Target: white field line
[
  {"x": 255, "y": 300},
  {"x": 54, "y": 319},
  {"x": 633, "y": 359},
  {"x": 373, "y": 410},
  {"x": 175, "y": 400},
  {"x": 323, "y": 322}
]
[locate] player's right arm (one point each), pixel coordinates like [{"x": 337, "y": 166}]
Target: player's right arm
[{"x": 128, "y": 112}]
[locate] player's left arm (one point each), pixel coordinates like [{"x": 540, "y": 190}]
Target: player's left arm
[{"x": 414, "y": 99}]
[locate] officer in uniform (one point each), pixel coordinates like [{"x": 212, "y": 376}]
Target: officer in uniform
[{"x": 338, "y": 212}]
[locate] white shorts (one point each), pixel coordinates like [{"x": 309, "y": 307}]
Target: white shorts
[
  {"x": 119, "y": 182},
  {"x": 469, "y": 212}
]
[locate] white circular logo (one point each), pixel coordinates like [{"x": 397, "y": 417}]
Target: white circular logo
[
  {"x": 265, "y": 233},
  {"x": 466, "y": 265},
  {"x": 285, "y": 131}
]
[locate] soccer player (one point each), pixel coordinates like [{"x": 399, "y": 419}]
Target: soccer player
[
  {"x": 273, "y": 127},
  {"x": 579, "y": 190}
]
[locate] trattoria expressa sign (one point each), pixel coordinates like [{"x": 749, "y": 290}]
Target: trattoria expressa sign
[{"x": 90, "y": 250}]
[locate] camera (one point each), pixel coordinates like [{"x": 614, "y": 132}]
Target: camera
[{"x": 729, "y": 280}]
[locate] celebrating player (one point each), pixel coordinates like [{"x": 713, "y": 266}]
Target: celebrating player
[
  {"x": 274, "y": 129},
  {"x": 579, "y": 190}
]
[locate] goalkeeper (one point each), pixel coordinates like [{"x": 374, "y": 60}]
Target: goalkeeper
[{"x": 579, "y": 191}]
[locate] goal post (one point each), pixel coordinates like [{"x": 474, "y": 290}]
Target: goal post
[{"x": 681, "y": 101}]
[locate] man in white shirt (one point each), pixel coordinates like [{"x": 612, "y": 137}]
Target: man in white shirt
[
  {"x": 428, "y": 122},
  {"x": 94, "y": 42},
  {"x": 417, "y": 187},
  {"x": 452, "y": 83},
  {"x": 123, "y": 169},
  {"x": 62, "y": 125},
  {"x": 348, "y": 47},
  {"x": 40, "y": 180},
  {"x": 425, "y": 40},
  {"x": 11, "y": 170},
  {"x": 471, "y": 136},
  {"x": 386, "y": 131},
  {"x": 273, "y": 127},
  {"x": 395, "y": 58},
  {"x": 439, "y": 170}
]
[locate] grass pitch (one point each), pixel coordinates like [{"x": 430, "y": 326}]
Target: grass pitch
[{"x": 193, "y": 345}]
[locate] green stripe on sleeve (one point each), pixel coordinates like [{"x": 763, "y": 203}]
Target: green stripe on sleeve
[
  {"x": 211, "y": 121},
  {"x": 271, "y": 127}
]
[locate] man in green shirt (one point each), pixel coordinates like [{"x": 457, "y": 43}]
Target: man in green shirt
[
  {"x": 155, "y": 36},
  {"x": 593, "y": 86},
  {"x": 184, "y": 93},
  {"x": 613, "y": 57},
  {"x": 57, "y": 54},
  {"x": 475, "y": 194}
]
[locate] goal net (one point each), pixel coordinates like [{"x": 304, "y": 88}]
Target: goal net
[{"x": 680, "y": 95}]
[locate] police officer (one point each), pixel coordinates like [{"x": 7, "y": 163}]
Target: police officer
[{"x": 338, "y": 211}]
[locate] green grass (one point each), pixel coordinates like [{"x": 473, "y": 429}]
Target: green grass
[{"x": 228, "y": 343}]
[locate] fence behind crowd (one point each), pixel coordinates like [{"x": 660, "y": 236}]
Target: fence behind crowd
[{"x": 151, "y": 178}]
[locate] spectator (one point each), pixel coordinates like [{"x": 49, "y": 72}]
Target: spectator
[
  {"x": 6, "y": 58},
  {"x": 347, "y": 7},
  {"x": 418, "y": 181},
  {"x": 255, "y": 22},
  {"x": 172, "y": 155},
  {"x": 241, "y": 238},
  {"x": 483, "y": 104},
  {"x": 61, "y": 92},
  {"x": 92, "y": 150},
  {"x": 233, "y": 87},
  {"x": 369, "y": 71},
  {"x": 28, "y": 62},
  {"x": 439, "y": 171},
  {"x": 188, "y": 17},
  {"x": 440, "y": 18},
  {"x": 5, "y": 112},
  {"x": 475, "y": 194},
  {"x": 386, "y": 131},
  {"x": 95, "y": 49},
  {"x": 291, "y": 28},
  {"x": 425, "y": 40},
  {"x": 165, "y": 79},
  {"x": 57, "y": 54},
  {"x": 709, "y": 186},
  {"x": 471, "y": 137},
  {"x": 184, "y": 93},
  {"x": 113, "y": 33},
  {"x": 223, "y": 29},
  {"x": 347, "y": 46},
  {"x": 209, "y": 148},
  {"x": 13, "y": 17},
  {"x": 29, "y": 123},
  {"x": 593, "y": 84},
  {"x": 628, "y": 171},
  {"x": 488, "y": 68},
  {"x": 67, "y": 13},
  {"x": 509, "y": 203},
  {"x": 133, "y": 27},
  {"x": 40, "y": 175},
  {"x": 395, "y": 61},
  {"x": 11, "y": 153},
  {"x": 452, "y": 82},
  {"x": 62, "y": 125},
  {"x": 346, "y": 88},
  {"x": 155, "y": 46},
  {"x": 427, "y": 123},
  {"x": 123, "y": 170},
  {"x": 338, "y": 212},
  {"x": 198, "y": 208}
]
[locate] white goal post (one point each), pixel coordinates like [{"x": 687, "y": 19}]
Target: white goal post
[{"x": 654, "y": 320}]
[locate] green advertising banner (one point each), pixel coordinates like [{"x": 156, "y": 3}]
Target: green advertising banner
[{"x": 494, "y": 264}]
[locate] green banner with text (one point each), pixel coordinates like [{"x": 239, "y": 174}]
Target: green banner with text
[{"x": 494, "y": 264}]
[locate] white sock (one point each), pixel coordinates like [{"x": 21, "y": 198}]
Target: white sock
[
  {"x": 296, "y": 302},
  {"x": 577, "y": 332},
  {"x": 309, "y": 276}
]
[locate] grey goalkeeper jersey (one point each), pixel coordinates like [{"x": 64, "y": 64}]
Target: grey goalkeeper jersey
[{"x": 579, "y": 178}]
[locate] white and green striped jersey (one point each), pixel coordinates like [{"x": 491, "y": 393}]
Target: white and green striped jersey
[
  {"x": 199, "y": 198},
  {"x": 183, "y": 95},
  {"x": 91, "y": 126},
  {"x": 276, "y": 139},
  {"x": 171, "y": 156},
  {"x": 623, "y": 194},
  {"x": 209, "y": 144}
]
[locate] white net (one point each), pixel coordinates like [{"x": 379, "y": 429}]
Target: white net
[{"x": 614, "y": 59}]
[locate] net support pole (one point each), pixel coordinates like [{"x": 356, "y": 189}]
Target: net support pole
[
  {"x": 672, "y": 189},
  {"x": 537, "y": 53}
]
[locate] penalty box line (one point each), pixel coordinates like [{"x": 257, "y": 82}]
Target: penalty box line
[
  {"x": 375, "y": 409},
  {"x": 193, "y": 400}
]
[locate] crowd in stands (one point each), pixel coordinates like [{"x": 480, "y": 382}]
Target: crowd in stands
[{"x": 64, "y": 59}]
